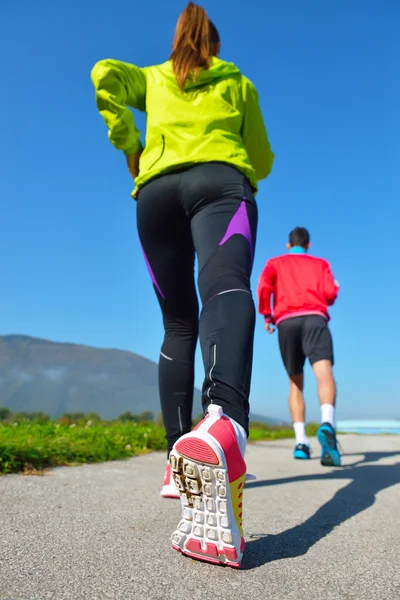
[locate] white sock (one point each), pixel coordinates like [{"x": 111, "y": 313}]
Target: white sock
[
  {"x": 300, "y": 433},
  {"x": 328, "y": 414}
]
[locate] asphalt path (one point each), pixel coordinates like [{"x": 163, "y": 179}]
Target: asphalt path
[{"x": 102, "y": 531}]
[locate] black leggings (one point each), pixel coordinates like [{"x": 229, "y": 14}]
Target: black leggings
[{"x": 208, "y": 210}]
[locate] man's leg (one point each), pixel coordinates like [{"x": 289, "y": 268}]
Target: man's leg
[
  {"x": 296, "y": 401},
  {"x": 326, "y": 390},
  {"x": 297, "y": 408},
  {"x": 318, "y": 346},
  {"x": 290, "y": 345}
]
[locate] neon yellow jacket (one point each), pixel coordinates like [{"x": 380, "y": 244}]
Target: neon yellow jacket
[{"x": 216, "y": 118}]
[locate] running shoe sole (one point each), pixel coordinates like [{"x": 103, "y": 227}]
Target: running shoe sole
[
  {"x": 300, "y": 455},
  {"x": 330, "y": 456},
  {"x": 169, "y": 488},
  {"x": 169, "y": 492},
  {"x": 208, "y": 530}
]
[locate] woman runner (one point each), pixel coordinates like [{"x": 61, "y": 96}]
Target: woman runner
[{"x": 206, "y": 148}]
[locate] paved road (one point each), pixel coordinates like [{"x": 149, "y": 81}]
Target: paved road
[{"x": 102, "y": 532}]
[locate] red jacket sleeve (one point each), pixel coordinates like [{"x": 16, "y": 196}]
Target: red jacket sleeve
[
  {"x": 331, "y": 286},
  {"x": 266, "y": 288}
]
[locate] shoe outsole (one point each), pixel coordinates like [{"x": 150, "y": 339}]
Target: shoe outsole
[
  {"x": 171, "y": 495},
  {"x": 301, "y": 456},
  {"x": 208, "y": 530},
  {"x": 330, "y": 456}
]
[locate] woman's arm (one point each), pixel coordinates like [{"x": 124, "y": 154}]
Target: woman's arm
[
  {"x": 119, "y": 85},
  {"x": 254, "y": 133}
]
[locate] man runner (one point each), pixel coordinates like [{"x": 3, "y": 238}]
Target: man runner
[{"x": 303, "y": 287}]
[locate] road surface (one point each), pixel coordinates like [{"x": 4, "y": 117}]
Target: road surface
[{"x": 100, "y": 532}]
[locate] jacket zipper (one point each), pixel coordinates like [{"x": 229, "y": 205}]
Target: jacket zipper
[{"x": 162, "y": 152}]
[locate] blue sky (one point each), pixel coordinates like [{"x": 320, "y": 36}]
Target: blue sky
[{"x": 327, "y": 75}]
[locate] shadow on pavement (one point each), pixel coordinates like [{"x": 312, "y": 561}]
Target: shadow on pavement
[
  {"x": 371, "y": 457},
  {"x": 354, "y": 498}
]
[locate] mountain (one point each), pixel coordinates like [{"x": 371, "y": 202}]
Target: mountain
[
  {"x": 40, "y": 375},
  {"x": 268, "y": 420},
  {"x": 55, "y": 378}
]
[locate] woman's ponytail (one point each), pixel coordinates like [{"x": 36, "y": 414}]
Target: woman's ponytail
[{"x": 196, "y": 40}]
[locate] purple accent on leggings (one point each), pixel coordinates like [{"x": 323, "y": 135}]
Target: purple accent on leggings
[
  {"x": 153, "y": 279},
  {"x": 239, "y": 224}
]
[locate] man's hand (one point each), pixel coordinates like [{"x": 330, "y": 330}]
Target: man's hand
[
  {"x": 133, "y": 163},
  {"x": 269, "y": 327}
]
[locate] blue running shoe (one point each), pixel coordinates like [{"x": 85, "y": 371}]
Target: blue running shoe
[
  {"x": 330, "y": 456},
  {"x": 302, "y": 452}
]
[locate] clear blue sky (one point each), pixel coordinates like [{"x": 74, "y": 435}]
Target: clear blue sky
[{"x": 327, "y": 74}]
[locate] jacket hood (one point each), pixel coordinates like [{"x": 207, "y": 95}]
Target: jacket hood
[{"x": 218, "y": 69}]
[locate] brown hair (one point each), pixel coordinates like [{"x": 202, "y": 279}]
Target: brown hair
[{"x": 196, "y": 39}]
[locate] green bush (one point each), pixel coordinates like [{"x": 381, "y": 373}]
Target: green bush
[
  {"x": 31, "y": 446},
  {"x": 5, "y": 414},
  {"x": 262, "y": 431},
  {"x": 32, "y": 442}
]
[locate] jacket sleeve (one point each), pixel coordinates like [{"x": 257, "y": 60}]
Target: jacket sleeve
[
  {"x": 119, "y": 85},
  {"x": 331, "y": 286},
  {"x": 254, "y": 133},
  {"x": 265, "y": 290}
]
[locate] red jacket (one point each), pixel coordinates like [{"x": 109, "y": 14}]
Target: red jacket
[{"x": 300, "y": 284}]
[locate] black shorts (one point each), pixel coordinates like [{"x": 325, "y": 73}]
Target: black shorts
[{"x": 304, "y": 337}]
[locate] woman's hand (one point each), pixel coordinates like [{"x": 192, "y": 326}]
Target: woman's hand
[{"x": 133, "y": 163}]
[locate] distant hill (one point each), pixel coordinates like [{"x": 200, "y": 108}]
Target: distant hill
[
  {"x": 39, "y": 375},
  {"x": 267, "y": 420},
  {"x": 52, "y": 377}
]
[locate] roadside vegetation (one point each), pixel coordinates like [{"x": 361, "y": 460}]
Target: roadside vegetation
[{"x": 32, "y": 442}]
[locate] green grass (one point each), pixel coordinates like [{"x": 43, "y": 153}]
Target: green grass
[
  {"x": 32, "y": 446},
  {"x": 29, "y": 446},
  {"x": 260, "y": 432}
]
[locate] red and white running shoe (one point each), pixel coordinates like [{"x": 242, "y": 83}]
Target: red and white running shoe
[
  {"x": 210, "y": 474},
  {"x": 169, "y": 489}
]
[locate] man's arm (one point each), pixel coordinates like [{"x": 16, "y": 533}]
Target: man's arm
[
  {"x": 265, "y": 291},
  {"x": 331, "y": 286}
]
